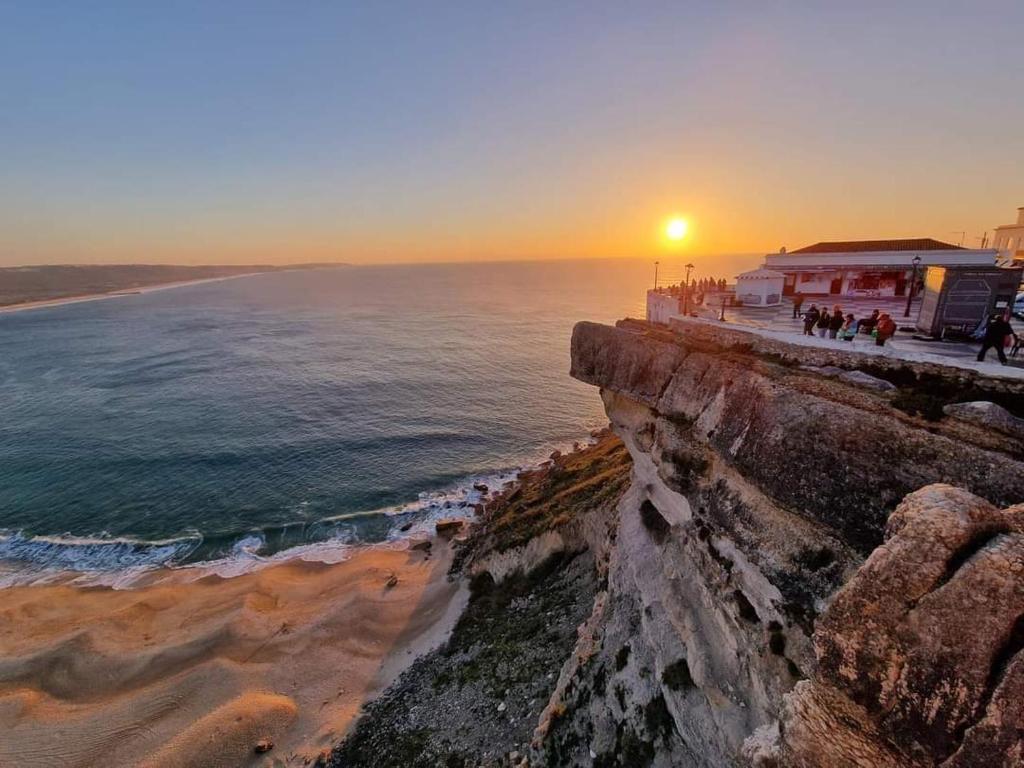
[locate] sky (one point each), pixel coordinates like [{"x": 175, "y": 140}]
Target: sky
[{"x": 283, "y": 132}]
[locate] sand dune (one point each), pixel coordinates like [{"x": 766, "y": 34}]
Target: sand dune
[{"x": 186, "y": 672}]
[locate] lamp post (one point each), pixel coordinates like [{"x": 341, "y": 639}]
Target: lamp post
[
  {"x": 655, "y": 275},
  {"x": 913, "y": 282},
  {"x": 686, "y": 291}
]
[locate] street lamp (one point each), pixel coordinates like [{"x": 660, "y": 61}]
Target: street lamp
[
  {"x": 686, "y": 291},
  {"x": 655, "y": 275},
  {"x": 913, "y": 282}
]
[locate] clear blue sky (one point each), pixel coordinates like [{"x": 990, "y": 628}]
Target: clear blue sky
[{"x": 385, "y": 131}]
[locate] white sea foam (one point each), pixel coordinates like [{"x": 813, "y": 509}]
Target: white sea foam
[
  {"x": 45, "y": 559},
  {"x": 122, "y": 562}
]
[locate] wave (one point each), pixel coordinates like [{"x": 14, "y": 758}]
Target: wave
[
  {"x": 121, "y": 562},
  {"x": 27, "y": 560}
]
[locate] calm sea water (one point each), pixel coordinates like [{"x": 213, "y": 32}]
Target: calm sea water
[{"x": 245, "y": 417}]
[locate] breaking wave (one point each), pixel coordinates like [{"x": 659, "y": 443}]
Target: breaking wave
[{"x": 120, "y": 562}]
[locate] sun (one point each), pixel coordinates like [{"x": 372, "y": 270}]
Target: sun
[{"x": 676, "y": 228}]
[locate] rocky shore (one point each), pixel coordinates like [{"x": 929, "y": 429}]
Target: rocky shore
[
  {"x": 773, "y": 562},
  {"x": 477, "y": 700}
]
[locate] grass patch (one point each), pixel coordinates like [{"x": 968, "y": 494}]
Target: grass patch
[{"x": 544, "y": 499}]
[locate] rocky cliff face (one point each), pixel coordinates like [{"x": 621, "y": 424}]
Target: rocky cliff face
[
  {"x": 787, "y": 558},
  {"x": 812, "y": 566}
]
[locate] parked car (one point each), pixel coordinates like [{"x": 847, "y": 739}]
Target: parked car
[{"x": 1018, "y": 306}]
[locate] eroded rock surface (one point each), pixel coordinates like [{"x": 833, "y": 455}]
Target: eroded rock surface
[
  {"x": 793, "y": 567},
  {"x": 919, "y": 654},
  {"x": 810, "y": 570}
]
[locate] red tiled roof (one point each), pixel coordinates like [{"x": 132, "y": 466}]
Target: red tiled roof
[{"x": 860, "y": 246}]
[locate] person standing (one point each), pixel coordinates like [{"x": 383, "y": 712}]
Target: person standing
[
  {"x": 835, "y": 322},
  {"x": 849, "y": 329},
  {"x": 885, "y": 329},
  {"x": 810, "y": 318},
  {"x": 798, "y": 301},
  {"x": 867, "y": 325},
  {"x": 823, "y": 322},
  {"x": 995, "y": 336}
]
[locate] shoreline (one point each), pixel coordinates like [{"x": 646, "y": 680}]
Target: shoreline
[
  {"x": 56, "y": 565},
  {"x": 187, "y": 672},
  {"x": 194, "y": 665},
  {"x": 59, "y": 302}
]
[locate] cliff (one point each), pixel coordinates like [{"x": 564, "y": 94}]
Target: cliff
[
  {"x": 815, "y": 565},
  {"x": 783, "y": 557}
]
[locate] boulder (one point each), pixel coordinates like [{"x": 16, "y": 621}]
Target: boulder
[
  {"x": 262, "y": 746},
  {"x": 449, "y": 527},
  {"x": 861, "y": 379},
  {"x": 921, "y": 654},
  {"x": 987, "y": 415},
  {"x": 423, "y": 545}
]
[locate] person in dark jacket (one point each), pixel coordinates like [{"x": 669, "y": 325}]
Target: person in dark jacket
[
  {"x": 810, "y": 318},
  {"x": 995, "y": 336},
  {"x": 835, "y": 322},
  {"x": 867, "y": 325},
  {"x": 798, "y": 301},
  {"x": 823, "y": 321}
]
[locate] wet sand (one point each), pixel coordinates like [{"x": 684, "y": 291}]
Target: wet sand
[{"x": 193, "y": 672}]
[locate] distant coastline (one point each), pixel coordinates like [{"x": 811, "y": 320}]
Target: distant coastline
[
  {"x": 43, "y": 303},
  {"x": 38, "y": 287}
]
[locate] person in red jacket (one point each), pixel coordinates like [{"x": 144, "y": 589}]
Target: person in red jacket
[{"x": 885, "y": 329}]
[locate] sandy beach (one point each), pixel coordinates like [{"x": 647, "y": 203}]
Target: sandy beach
[
  {"x": 190, "y": 672},
  {"x": 116, "y": 294}
]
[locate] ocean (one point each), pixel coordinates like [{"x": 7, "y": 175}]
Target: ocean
[{"x": 289, "y": 413}]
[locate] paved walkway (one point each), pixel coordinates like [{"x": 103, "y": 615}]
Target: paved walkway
[{"x": 778, "y": 323}]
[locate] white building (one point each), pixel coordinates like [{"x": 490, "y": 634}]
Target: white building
[
  {"x": 1009, "y": 239},
  {"x": 868, "y": 268},
  {"x": 760, "y": 288},
  {"x": 663, "y": 304}
]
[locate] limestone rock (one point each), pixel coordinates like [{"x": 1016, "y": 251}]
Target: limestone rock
[
  {"x": 449, "y": 527},
  {"x": 620, "y": 359},
  {"x": 987, "y": 415},
  {"x": 920, "y": 654},
  {"x": 862, "y": 379}
]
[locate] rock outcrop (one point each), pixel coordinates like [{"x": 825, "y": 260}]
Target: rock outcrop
[
  {"x": 809, "y": 569},
  {"x": 919, "y": 655},
  {"x": 787, "y": 558}
]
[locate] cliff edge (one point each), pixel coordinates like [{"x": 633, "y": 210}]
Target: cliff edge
[
  {"x": 782, "y": 558},
  {"x": 818, "y": 562}
]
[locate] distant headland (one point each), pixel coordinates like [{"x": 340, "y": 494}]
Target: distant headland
[{"x": 30, "y": 287}]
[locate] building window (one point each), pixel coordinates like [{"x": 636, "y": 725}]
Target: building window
[{"x": 866, "y": 281}]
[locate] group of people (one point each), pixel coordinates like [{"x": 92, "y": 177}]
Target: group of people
[
  {"x": 697, "y": 290},
  {"x": 709, "y": 285},
  {"x": 836, "y": 325}
]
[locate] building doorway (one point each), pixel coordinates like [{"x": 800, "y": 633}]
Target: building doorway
[{"x": 836, "y": 286}]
